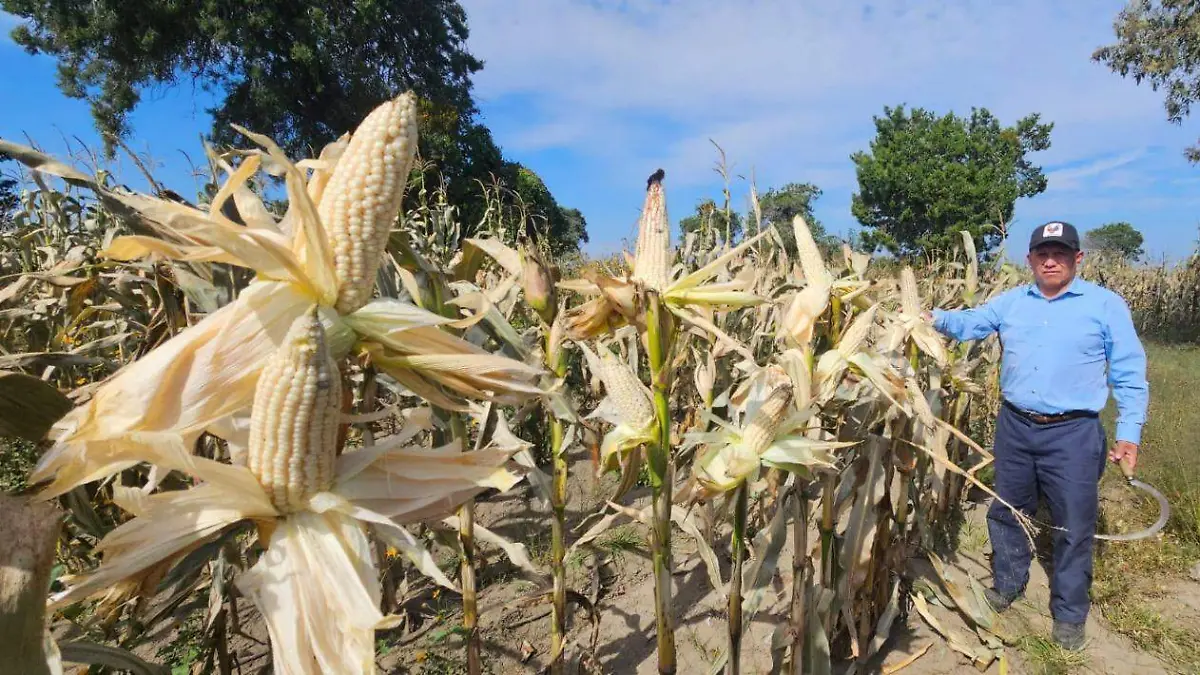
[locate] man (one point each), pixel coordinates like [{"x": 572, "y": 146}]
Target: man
[{"x": 1058, "y": 335}]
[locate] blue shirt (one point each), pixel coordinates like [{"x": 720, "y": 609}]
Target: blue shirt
[{"x": 1055, "y": 350}]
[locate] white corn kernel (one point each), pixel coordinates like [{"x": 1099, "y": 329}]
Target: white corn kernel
[
  {"x": 364, "y": 194},
  {"x": 294, "y": 419}
]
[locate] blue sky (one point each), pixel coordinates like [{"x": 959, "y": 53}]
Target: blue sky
[{"x": 595, "y": 95}]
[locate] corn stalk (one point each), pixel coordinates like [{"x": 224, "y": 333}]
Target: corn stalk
[
  {"x": 660, "y": 338},
  {"x": 737, "y": 541},
  {"x": 556, "y": 363}
]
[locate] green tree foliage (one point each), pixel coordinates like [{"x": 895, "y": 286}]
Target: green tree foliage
[
  {"x": 780, "y": 206},
  {"x": 926, "y": 177},
  {"x": 1115, "y": 239},
  {"x": 1159, "y": 42},
  {"x": 710, "y": 219},
  {"x": 574, "y": 226},
  {"x": 9, "y": 200},
  {"x": 301, "y": 71},
  {"x": 541, "y": 215}
]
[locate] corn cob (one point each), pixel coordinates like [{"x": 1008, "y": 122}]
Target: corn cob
[
  {"x": 811, "y": 261},
  {"x": 364, "y": 194},
  {"x": 910, "y": 299},
  {"x": 760, "y": 432},
  {"x": 855, "y": 337},
  {"x": 294, "y": 420},
  {"x": 625, "y": 391},
  {"x": 652, "y": 256}
]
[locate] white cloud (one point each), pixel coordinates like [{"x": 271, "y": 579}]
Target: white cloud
[
  {"x": 706, "y": 66},
  {"x": 1072, "y": 178},
  {"x": 788, "y": 89}
]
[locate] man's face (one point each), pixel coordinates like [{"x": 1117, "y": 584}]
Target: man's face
[{"x": 1054, "y": 265}]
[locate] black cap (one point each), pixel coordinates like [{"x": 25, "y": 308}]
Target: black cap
[{"x": 1055, "y": 231}]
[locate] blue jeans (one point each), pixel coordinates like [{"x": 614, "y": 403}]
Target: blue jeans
[{"x": 1063, "y": 461}]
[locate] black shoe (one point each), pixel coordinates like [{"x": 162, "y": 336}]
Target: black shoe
[
  {"x": 998, "y": 600},
  {"x": 1068, "y": 635}
]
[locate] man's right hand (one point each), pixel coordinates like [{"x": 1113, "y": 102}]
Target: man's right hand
[{"x": 927, "y": 315}]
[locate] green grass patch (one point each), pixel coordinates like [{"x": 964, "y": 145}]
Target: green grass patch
[
  {"x": 1128, "y": 575},
  {"x": 615, "y": 543},
  {"x": 17, "y": 459},
  {"x": 1168, "y": 457},
  {"x": 1046, "y": 658},
  {"x": 1152, "y": 632}
]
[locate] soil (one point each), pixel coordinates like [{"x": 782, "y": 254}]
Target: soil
[{"x": 514, "y": 620}]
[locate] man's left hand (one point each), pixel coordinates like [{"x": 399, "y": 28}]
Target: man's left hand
[{"x": 1125, "y": 453}]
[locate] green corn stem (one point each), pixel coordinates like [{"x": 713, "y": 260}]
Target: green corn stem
[
  {"x": 959, "y": 408},
  {"x": 466, "y": 515},
  {"x": 659, "y": 338},
  {"x": 558, "y": 502},
  {"x": 466, "y": 539},
  {"x": 898, "y": 443},
  {"x": 828, "y": 490},
  {"x": 835, "y": 318},
  {"x": 737, "y": 543},
  {"x": 799, "y": 579}
]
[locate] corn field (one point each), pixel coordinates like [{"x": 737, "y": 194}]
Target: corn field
[
  {"x": 302, "y": 410},
  {"x": 1164, "y": 300}
]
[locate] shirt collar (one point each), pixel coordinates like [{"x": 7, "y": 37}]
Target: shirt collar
[{"x": 1077, "y": 287}]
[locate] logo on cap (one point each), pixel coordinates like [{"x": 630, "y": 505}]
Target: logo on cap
[{"x": 1052, "y": 230}]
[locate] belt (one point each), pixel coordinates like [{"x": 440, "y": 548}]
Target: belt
[{"x": 1039, "y": 418}]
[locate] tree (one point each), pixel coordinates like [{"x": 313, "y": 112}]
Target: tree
[
  {"x": 1160, "y": 42},
  {"x": 780, "y": 206},
  {"x": 9, "y": 201},
  {"x": 927, "y": 177},
  {"x": 1115, "y": 239},
  {"x": 543, "y": 217},
  {"x": 574, "y": 225},
  {"x": 301, "y": 71},
  {"x": 710, "y": 218}
]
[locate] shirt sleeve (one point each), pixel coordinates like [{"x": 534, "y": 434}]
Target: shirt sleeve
[
  {"x": 1126, "y": 371},
  {"x": 969, "y": 324}
]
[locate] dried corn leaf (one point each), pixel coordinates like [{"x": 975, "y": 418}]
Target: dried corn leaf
[
  {"x": 897, "y": 666},
  {"x": 756, "y": 576},
  {"x": 883, "y": 627},
  {"x": 956, "y": 641},
  {"x": 817, "y": 655},
  {"x": 29, "y": 406},
  {"x": 861, "y": 527}
]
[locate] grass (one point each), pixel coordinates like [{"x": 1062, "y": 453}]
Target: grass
[
  {"x": 1046, "y": 658},
  {"x": 1129, "y": 576},
  {"x": 616, "y": 543},
  {"x": 17, "y": 459},
  {"x": 972, "y": 537},
  {"x": 1171, "y": 437},
  {"x": 1040, "y": 655}
]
